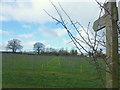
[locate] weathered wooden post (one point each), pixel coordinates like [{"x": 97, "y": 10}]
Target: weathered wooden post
[
  {"x": 119, "y": 10},
  {"x": 109, "y": 20}
]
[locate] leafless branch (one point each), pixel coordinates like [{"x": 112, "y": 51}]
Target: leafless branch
[{"x": 91, "y": 43}]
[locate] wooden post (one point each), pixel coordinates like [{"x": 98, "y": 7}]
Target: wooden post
[
  {"x": 109, "y": 20},
  {"x": 119, "y": 10},
  {"x": 111, "y": 45}
]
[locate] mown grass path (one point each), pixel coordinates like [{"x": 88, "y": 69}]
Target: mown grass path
[{"x": 31, "y": 71}]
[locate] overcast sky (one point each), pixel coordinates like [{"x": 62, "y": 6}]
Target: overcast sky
[{"x": 26, "y": 20}]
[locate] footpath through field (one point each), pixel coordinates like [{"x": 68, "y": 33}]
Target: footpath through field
[
  {"x": 54, "y": 66},
  {"x": 47, "y": 71}
]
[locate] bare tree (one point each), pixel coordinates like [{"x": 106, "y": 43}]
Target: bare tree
[
  {"x": 93, "y": 41},
  {"x": 38, "y": 47},
  {"x": 14, "y": 45}
]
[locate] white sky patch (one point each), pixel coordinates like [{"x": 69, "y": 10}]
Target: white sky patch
[
  {"x": 26, "y": 26},
  {"x": 60, "y": 32},
  {"x": 3, "y": 45},
  {"x": 45, "y": 42},
  {"x": 3, "y": 32},
  {"x": 28, "y": 44},
  {"x": 0, "y": 46},
  {"x": 92, "y": 40},
  {"x": 85, "y": 34},
  {"x": 32, "y": 10},
  {"x": 26, "y": 36},
  {"x": 68, "y": 42},
  {"x": 7, "y": 0},
  {"x": 48, "y": 46},
  {"x": 3, "y": 18},
  {"x": 48, "y": 32},
  {"x": 53, "y": 0}
]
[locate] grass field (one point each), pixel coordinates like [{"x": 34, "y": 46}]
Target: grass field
[{"x": 37, "y": 71}]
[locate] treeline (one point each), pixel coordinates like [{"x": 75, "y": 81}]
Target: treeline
[
  {"x": 61, "y": 52},
  {"x": 39, "y": 49},
  {"x": 48, "y": 51},
  {"x": 51, "y": 51}
]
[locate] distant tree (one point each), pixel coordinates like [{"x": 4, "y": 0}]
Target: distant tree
[
  {"x": 99, "y": 53},
  {"x": 73, "y": 52},
  {"x": 82, "y": 54},
  {"x": 63, "y": 52},
  {"x": 14, "y": 45},
  {"x": 90, "y": 54},
  {"x": 38, "y": 47},
  {"x": 52, "y": 50}
]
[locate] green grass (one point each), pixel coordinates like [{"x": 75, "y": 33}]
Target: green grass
[{"x": 36, "y": 71}]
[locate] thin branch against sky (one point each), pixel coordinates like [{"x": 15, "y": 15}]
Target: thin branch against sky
[{"x": 27, "y": 18}]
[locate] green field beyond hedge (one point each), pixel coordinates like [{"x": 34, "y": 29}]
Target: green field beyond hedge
[{"x": 36, "y": 71}]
